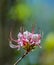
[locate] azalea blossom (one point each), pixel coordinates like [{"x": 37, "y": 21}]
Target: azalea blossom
[{"x": 27, "y": 40}]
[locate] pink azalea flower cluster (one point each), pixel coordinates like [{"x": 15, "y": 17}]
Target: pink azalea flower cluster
[{"x": 26, "y": 39}]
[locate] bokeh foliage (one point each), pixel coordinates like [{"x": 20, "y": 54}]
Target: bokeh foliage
[{"x": 20, "y": 12}]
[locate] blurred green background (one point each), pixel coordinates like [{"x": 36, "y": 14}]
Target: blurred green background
[{"x": 16, "y": 13}]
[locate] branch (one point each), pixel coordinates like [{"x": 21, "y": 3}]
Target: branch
[{"x": 20, "y": 58}]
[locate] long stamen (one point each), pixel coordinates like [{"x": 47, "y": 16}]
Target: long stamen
[
  {"x": 12, "y": 38},
  {"x": 21, "y": 30},
  {"x": 33, "y": 27}
]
